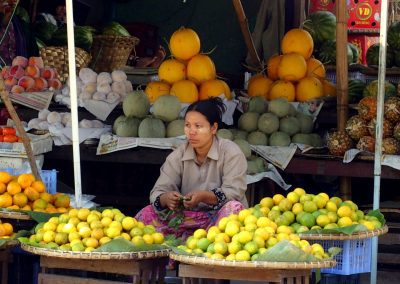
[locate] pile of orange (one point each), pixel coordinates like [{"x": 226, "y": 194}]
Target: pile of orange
[
  {"x": 26, "y": 193},
  {"x": 6, "y": 230}
]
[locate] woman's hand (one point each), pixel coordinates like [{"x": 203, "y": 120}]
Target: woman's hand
[{"x": 170, "y": 200}]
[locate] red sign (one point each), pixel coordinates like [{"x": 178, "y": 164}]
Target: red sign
[
  {"x": 364, "y": 15},
  {"x": 322, "y": 5},
  {"x": 362, "y": 42}
]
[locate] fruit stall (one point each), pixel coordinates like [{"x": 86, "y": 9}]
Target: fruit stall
[{"x": 84, "y": 140}]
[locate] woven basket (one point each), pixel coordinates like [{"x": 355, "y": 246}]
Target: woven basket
[
  {"x": 57, "y": 57},
  {"x": 343, "y": 237},
  {"x": 111, "y": 52}
]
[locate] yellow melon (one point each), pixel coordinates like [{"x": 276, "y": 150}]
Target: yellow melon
[
  {"x": 272, "y": 66},
  {"x": 309, "y": 88},
  {"x": 292, "y": 67},
  {"x": 298, "y": 41},
  {"x": 282, "y": 89},
  {"x": 184, "y": 43},
  {"x": 200, "y": 69},
  {"x": 329, "y": 88},
  {"x": 214, "y": 88},
  {"x": 154, "y": 89},
  {"x": 315, "y": 68},
  {"x": 171, "y": 71},
  {"x": 185, "y": 90},
  {"x": 259, "y": 85}
]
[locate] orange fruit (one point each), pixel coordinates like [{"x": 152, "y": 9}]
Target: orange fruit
[
  {"x": 13, "y": 207},
  {"x": 214, "y": 88},
  {"x": 298, "y": 41},
  {"x": 51, "y": 210},
  {"x": 5, "y": 200},
  {"x": 184, "y": 43},
  {"x": 155, "y": 89},
  {"x": 5, "y": 177},
  {"x": 3, "y": 187},
  {"x": 292, "y": 67},
  {"x": 31, "y": 193},
  {"x": 39, "y": 186},
  {"x": 20, "y": 199},
  {"x": 282, "y": 89},
  {"x": 2, "y": 231},
  {"x": 27, "y": 207},
  {"x": 24, "y": 180},
  {"x": 171, "y": 71},
  {"x": 62, "y": 200},
  {"x": 309, "y": 88},
  {"x": 8, "y": 228},
  {"x": 13, "y": 187},
  {"x": 46, "y": 197},
  {"x": 39, "y": 204},
  {"x": 259, "y": 85},
  {"x": 201, "y": 68},
  {"x": 62, "y": 210},
  {"x": 315, "y": 68},
  {"x": 272, "y": 66},
  {"x": 186, "y": 91}
]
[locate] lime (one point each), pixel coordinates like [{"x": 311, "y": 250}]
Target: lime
[
  {"x": 203, "y": 244},
  {"x": 307, "y": 219},
  {"x": 309, "y": 206},
  {"x": 285, "y": 205}
]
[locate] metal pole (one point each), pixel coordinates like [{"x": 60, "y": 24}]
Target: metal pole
[{"x": 379, "y": 123}]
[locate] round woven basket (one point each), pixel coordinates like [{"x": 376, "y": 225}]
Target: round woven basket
[
  {"x": 111, "y": 52},
  {"x": 10, "y": 244},
  {"x": 96, "y": 255},
  {"x": 14, "y": 215},
  {"x": 57, "y": 57},
  {"x": 199, "y": 260},
  {"x": 343, "y": 237}
]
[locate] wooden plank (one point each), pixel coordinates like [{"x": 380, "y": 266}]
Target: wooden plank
[
  {"x": 388, "y": 258},
  {"x": 389, "y": 239},
  {"x": 44, "y": 278},
  {"x": 234, "y": 273}
]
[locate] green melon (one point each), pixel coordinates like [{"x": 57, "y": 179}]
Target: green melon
[
  {"x": 306, "y": 123},
  {"x": 257, "y": 104},
  {"x": 244, "y": 146},
  {"x": 126, "y": 126},
  {"x": 255, "y": 165},
  {"x": 152, "y": 127},
  {"x": 225, "y": 133},
  {"x": 176, "y": 128},
  {"x": 136, "y": 104},
  {"x": 302, "y": 138},
  {"x": 316, "y": 140},
  {"x": 167, "y": 108},
  {"x": 248, "y": 121},
  {"x": 116, "y": 121},
  {"x": 289, "y": 125},
  {"x": 279, "y": 139},
  {"x": 279, "y": 107},
  {"x": 257, "y": 138},
  {"x": 239, "y": 134},
  {"x": 268, "y": 123}
]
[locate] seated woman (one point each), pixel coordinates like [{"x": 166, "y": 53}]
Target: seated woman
[{"x": 201, "y": 181}]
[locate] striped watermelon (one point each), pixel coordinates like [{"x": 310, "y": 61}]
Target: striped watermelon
[{"x": 321, "y": 25}]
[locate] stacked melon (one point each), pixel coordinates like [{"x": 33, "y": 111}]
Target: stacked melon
[
  {"x": 188, "y": 74},
  {"x": 293, "y": 75}
]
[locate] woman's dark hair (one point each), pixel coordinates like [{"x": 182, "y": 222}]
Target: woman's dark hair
[{"x": 212, "y": 108}]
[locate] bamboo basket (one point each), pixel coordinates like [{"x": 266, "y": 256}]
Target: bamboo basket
[
  {"x": 343, "y": 237},
  {"x": 205, "y": 261},
  {"x": 96, "y": 255},
  {"x": 111, "y": 52},
  {"x": 57, "y": 57}
]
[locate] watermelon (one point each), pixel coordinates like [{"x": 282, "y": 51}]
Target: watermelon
[
  {"x": 356, "y": 52},
  {"x": 372, "y": 89},
  {"x": 393, "y": 35},
  {"x": 321, "y": 25},
  {"x": 372, "y": 56},
  {"x": 327, "y": 53},
  {"x": 355, "y": 90}
]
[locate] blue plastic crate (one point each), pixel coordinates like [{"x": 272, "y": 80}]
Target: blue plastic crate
[
  {"x": 354, "y": 258},
  {"x": 49, "y": 177}
]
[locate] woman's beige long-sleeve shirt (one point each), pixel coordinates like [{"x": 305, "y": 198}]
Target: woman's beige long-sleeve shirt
[{"x": 223, "y": 170}]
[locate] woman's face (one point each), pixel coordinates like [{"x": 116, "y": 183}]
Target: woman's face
[{"x": 198, "y": 130}]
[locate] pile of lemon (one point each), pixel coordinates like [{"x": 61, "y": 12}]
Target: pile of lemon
[
  {"x": 301, "y": 211},
  {"x": 85, "y": 230}
]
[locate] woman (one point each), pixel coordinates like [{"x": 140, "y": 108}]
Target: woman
[{"x": 201, "y": 181}]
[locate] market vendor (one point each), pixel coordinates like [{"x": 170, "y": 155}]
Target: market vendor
[{"x": 202, "y": 180}]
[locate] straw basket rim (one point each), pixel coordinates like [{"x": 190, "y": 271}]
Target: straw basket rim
[
  {"x": 201, "y": 260},
  {"x": 343, "y": 237},
  {"x": 96, "y": 255},
  {"x": 14, "y": 215},
  {"x": 9, "y": 244},
  {"x": 134, "y": 39}
]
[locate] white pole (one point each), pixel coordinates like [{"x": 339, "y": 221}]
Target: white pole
[
  {"x": 74, "y": 104},
  {"x": 379, "y": 125}
]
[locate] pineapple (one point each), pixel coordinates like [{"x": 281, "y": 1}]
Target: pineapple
[
  {"x": 339, "y": 142},
  {"x": 356, "y": 127},
  {"x": 392, "y": 109},
  {"x": 390, "y": 146},
  {"x": 366, "y": 143},
  {"x": 367, "y": 108},
  {"x": 396, "y": 131},
  {"x": 387, "y": 128}
]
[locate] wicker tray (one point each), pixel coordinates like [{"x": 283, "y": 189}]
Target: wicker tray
[
  {"x": 9, "y": 244},
  {"x": 342, "y": 237},
  {"x": 198, "y": 260},
  {"x": 15, "y": 215},
  {"x": 96, "y": 255}
]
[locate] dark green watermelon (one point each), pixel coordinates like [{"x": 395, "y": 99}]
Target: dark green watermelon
[
  {"x": 321, "y": 25},
  {"x": 327, "y": 53},
  {"x": 393, "y": 35},
  {"x": 355, "y": 90},
  {"x": 372, "y": 89},
  {"x": 372, "y": 56},
  {"x": 356, "y": 52}
]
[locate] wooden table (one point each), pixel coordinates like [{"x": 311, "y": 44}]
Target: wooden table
[
  {"x": 194, "y": 273},
  {"x": 141, "y": 271}
]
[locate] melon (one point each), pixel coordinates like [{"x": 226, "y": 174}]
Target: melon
[
  {"x": 186, "y": 91},
  {"x": 239, "y": 134},
  {"x": 252, "y": 167},
  {"x": 259, "y": 161},
  {"x": 154, "y": 89},
  {"x": 282, "y": 89},
  {"x": 200, "y": 68},
  {"x": 248, "y": 121},
  {"x": 272, "y": 66},
  {"x": 136, "y": 104},
  {"x": 268, "y": 123},
  {"x": 315, "y": 68},
  {"x": 289, "y": 125},
  {"x": 126, "y": 126},
  {"x": 171, "y": 71},
  {"x": 309, "y": 88},
  {"x": 151, "y": 127},
  {"x": 316, "y": 140},
  {"x": 225, "y": 134},
  {"x": 116, "y": 121},
  {"x": 302, "y": 138},
  {"x": 167, "y": 108},
  {"x": 292, "y": 67},
  {"x": 176, "y": 128},
  {"x": 259, "y": 85},
  {"x": 279, "y": 107},
  {"x": 257, "y": 104},
  {"x": 298, "y": 41},
  {"x": 244, "y": 146},
  {"x": 214, "y": 88},
  {"x": 184, "y": 43},
  {"x": 306, "y": 122},
  {"x": 279, "y": 139},
  {"x": 257, "y": 138}
]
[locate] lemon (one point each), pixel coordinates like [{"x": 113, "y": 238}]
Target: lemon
[
  {"x": 222, "y": 223},
  {"x": 112, "y": 232},
  {"x": 272, "y": 241},
  {"x": 210, "y": 248},
  {"x": 368, "y": 224},
  {"x": 323, "y": 220},
  {"x": 273, "y": 214},
  {"x": 136, "y": 232},
  {"x": 49, "y": 226},
  {"x": 49, "y": 236},
  {"x": 92, "y": 217},
  {"x": 74, "y": 236},
  {"x": 232, "y": 228},
  {"x": 96, "y": 224},
  {"x": 140, "y": 225},
  {"x": 250, "y": 219},
  {"x": 244, "y": 237},
  {"x": 259, "y": 241},
  {"x": 207, "y": 254},
  {"x": 293, "y": 197},
  {"x": 285, "y": 205},
  {"x": 148, "y": 239},
  {"x": 126, "y": 236},
  {"x": 222, "y": 237},
  {"x": 136, "y": 240},
  {"x": 306, "y": 197},
  {"x": 68, "y": 228},
  {"x": 119, "y": 217},
  {"x": 285, "y": 229},
  {"x": 331, "y": 206},
  {"x": 106, "y": 221},
  {"x": 104, "y": 240},
  {"x": 203, "y": 244},
  {"x": 282, "y": 236},
  {"x": 263, "y": 233},
  {"x": 309, "y": 206},
  {"x": 158, "y": 238},
  {"x": 220, "y": 247},
  {"x": 230, "y": 257},
  {"x": 336, "y": 200},
  {"x": 200, "y": 233},
  {"x": 117, "y": 225},
  {"x": 320, "y": 201},
  {"x": 217, "y": 256},
  {"x": 78, "y": 247},
  {"x": 344, "y": 221},
  {"x": 331, "y": 226},
  {"x": 267, "y": 202},
  {"x": 191, "y": 242},
  {"x": 107, "y": 213},
  {"x": 233, "y": 217},
  {"x": 302, "y": 229},
  {"x": 128, "y": 223},
  {"x": 73, "y": 212},
  {"x": 354, "y": 216},
  {"x": 344, "y": 211},
  {"x": 317, "y": 249},
  {"x": 251, "y": 227},
  {"x": 289, "y": 216},
  {"x": 300, "y": 191},
  {"x": 242, "y": 255},
  {"x": 74, "y": 220},
  {"x": 234, "y": 247},
  {"x": 277, "y": 198},
  {"x": 211, "y": 235},
  {"x": 92, "y": 243},
  {"x": 297, "y": 208},
  {"x": 83, "y": 213},
  {"x": 307, "y": 219},
  {"x": 63, "y": 218},
  {"x": 89, "y": 249},
  {"x": 360, "y": 214},
  {"x": 97, "y": 233},
  {"x": 243, "y": 214},
  {"x": 264, "y": 210},
  {"x": 85, "y": 232},
  {"x": 332, "y": 217},
  {"x": 81, "y": 225}
]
